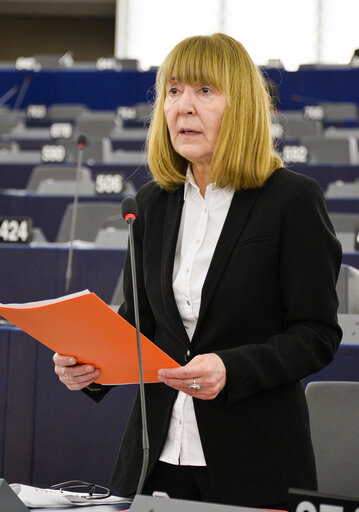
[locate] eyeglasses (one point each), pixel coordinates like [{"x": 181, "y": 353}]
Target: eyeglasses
[{"x": 92, "y": 491}]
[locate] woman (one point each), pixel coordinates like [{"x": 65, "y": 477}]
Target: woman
[{"x": 237, "y": 264}]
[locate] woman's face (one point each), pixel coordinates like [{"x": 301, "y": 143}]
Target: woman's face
[{"x": 194, "y": 115}]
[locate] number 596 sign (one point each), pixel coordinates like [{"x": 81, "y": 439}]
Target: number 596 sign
[{"x": 15, "y": 230}]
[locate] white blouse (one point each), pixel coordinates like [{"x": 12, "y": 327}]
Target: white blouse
[{"x": 201, "y": 224}]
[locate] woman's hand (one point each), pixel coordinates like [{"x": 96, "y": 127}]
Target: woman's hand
[
  {"x": 74, "y": 376},
  {"x": 206, "y": 371}
]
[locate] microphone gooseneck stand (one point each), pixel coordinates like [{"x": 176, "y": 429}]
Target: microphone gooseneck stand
[
  {"x": 81, "y": 143},
  {"x": 129, "y": 212}
]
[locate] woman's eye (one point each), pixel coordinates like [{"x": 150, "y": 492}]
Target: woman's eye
[
  {"x": 205, "y": 90},
  {"x": 173, "y": 91}
]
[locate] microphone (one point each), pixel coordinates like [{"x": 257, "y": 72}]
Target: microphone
[
  {"x": 23, "y": 90},
  {"x": 9, "y": 94},
  {"x": 129, "y": 208},
  {"x": 81, "y": 143},
  {"x": 129, "y": 212},
  {"x": 305, "y": 99}
]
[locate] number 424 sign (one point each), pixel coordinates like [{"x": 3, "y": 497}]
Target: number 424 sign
[{"x": 15, "y": 230}]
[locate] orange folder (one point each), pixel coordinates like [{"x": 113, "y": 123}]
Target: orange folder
[{"x": 83, "y": 326}]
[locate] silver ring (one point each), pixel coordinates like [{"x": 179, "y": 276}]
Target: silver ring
[
  {"x": 70, "y": 380},
  {"x": 194, "y": 386},
  {"x": 63, "y": 370}
]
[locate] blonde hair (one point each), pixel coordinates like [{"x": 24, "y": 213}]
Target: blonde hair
[{"x": 244, "y": 156}]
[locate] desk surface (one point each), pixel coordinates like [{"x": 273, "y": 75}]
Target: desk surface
[
  {"x": 37, "y": 273},
  {"x": 47, "y": 211},
  {"x": 85, "y": 508},
  {"x": 16, "y": 175}
]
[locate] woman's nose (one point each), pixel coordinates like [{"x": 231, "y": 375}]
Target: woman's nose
[{"x": 186, "y": 104}]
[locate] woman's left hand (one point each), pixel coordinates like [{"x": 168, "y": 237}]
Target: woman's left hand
[{"x": 206, "y": 374}]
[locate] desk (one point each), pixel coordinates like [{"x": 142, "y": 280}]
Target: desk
[
  {"x": 327, "y": 173},
  {"x": 37, "y": 273},
  {"x": 93, "y": 508},
  {"x": 99, "y": 90},
  {"x": 127, "y": 139},
  {"x": 51, "y": 434},
  {"x": 17, "y": 175},
  {"x": 108, "y": 89},
  {"x": 46, "y": 211},
  {"x": 343, "y": 204}
]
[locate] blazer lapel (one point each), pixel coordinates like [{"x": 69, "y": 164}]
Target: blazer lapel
[
  {"x": 238, "y": 214},
  {"x": 170, "y": 233}
]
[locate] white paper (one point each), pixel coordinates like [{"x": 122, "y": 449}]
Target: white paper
[
  {"x": 45, "y": 302},
  {"x": 37, "y": 497}
]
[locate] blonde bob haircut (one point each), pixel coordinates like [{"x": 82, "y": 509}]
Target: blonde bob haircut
[{"x": 244, "y": 156}]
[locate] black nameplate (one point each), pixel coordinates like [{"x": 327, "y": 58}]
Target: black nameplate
[
  {"x": 15, "y": 230},
  {"x": 310, "y": 501},
  {"x": 36, "y": 111},
  {"x": 109, "y": 183},
  {"x": 294, "y": 154},
  {"x": 53, "y": 153}
]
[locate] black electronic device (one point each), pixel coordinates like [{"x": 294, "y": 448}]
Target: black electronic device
[{"x": 301, "y": 500}]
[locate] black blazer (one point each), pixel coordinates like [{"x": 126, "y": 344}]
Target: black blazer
[{"x": 268, "y": 310}]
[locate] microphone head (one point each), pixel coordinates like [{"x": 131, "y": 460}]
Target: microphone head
[
  {"x": 129, "y": 208},
  {"x": 81, "y": 141}
]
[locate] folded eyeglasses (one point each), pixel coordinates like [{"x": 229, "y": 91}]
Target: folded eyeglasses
[{"x": 91, "y": 491}]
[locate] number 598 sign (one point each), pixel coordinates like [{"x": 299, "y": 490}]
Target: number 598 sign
[{"x": 15, "y": 230}]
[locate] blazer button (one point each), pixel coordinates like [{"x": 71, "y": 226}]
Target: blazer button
[{"x": 187, "y": 356}]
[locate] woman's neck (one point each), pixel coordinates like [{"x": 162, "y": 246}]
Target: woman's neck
[{"x": 202, "y": 177}]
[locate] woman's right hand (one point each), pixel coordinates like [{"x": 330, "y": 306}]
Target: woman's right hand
[{"x": 74, "y": 376}]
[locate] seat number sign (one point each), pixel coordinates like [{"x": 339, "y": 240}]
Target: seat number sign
[
  {"x": 55, "y": 153},
  {"x": 14, "y": 230},
  {"x": 109, "y": 183}
]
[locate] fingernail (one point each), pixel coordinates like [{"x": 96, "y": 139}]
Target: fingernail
[
  {"x": 71, "y": 360},
  {"x": 161, "y": 373},
  {"x": 89, "y": 369}
]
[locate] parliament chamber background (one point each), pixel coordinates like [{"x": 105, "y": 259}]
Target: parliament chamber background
[{"x": 48, "y": 434}]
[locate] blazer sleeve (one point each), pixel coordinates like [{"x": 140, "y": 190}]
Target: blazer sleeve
[{"x": 308, "y": 267}]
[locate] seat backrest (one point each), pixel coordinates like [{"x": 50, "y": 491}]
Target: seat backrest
[
  {"x": 348, "y": 290},
  {"x": 301, "y": 127},
  {"x": 339, "y": 111},
  {"x": 342, "y": 189},
  {"x": 345, "y": 222},
  {"x": 117, "y": 297},
  {"x": 66, "y": 111},
  {"x": 46, "y": 173},
  {"x": 113, "y": 233},
  {"x": 111, "y": 237},
  {"x": 90, "y": 216},
  {"x": 347, "y": 241},
  {"x": 96, "y": 124},
  {"x": 92, "y": 151},
  {"x": 334, "y": 419},
  {"x": 338, "y": 150}
]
